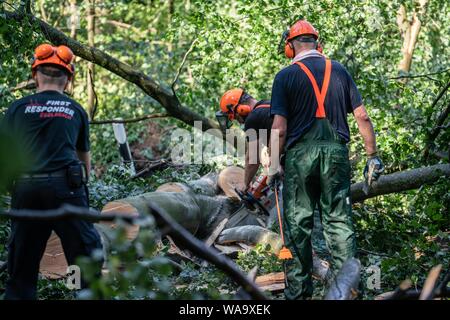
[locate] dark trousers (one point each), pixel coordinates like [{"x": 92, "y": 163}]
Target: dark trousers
[
  {"x": 317, "y": 172},
  {"x": 29, "y": 238}
]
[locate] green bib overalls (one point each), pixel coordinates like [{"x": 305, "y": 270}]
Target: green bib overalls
[{"x": 317, "y": 171}]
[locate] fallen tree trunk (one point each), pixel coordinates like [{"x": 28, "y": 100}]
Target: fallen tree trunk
[
  {"x": 206, "y": 185},
  {"x": 194, "y": 205},
  {"x": 200, "y": 249},
  {"x": 401, "y": 181}
]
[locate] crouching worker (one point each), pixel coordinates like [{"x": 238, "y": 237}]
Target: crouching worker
[
  {"x": 55, "y": 129},
  {"x": 255, "y": 115}
]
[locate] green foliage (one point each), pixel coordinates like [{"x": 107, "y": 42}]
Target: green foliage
[
  {"x": 236, "y": 45},
  {"x": 261, "y": 257},
  {"x": 134, "y": 272}
]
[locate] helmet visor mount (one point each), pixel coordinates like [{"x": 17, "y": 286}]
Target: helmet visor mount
[
  {"x": 224, "y": 120},
  {"x": 283, "y": 40}
]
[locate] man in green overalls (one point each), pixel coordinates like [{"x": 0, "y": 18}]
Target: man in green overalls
[{"x": 310, "y": 102}]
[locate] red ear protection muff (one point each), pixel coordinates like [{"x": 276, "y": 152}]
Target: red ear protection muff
[
  {"x": 289, "y": 51},
  {"x": 47, "y": 54},
  {"x": 243, "y": 110}
]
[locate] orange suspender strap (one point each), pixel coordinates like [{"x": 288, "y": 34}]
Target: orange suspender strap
[{"x": 320, "y": 94}]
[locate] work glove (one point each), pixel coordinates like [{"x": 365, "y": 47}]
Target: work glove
[{"x": 378, "y": 168}]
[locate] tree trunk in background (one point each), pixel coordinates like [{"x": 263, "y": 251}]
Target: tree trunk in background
[
  {"x": 410, "y": 33},
  {"x": 91, "y": 66},
  {"x": 74, "y": 24},
  {"x": 73, "y": 19}
]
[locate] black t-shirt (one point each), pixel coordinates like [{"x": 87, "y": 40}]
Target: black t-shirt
[
  {"x": 259, "y": 119},
  {"x": 293, "y": 98},
  {"x": 52, "y": 127}
]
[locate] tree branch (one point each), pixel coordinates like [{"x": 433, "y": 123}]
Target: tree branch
[
  {"x": 66, "y": 212},
  {"x": 413, "y": 76},
  {"x": 440, "y": 121},
  {"x": 182, "y": 64},
  {"x": 400, "y": 181},
  {"x": 147, "y": 117},
  {"x": 178, "y": 233},
  {"x": 160, "y": 93}
]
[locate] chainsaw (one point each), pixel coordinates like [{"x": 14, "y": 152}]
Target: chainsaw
[{"x": 259, "y": 196}]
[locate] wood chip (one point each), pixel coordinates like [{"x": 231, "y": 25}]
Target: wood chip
[
  {"x": 218, "y": 230},
  {"x": 272, "y": 282},
  {"x": 227, "y": 250}
]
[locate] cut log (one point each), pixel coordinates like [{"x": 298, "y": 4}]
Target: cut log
[
  {"x": 345, "y": 285},
  {"x": 165, "y": 222},
  {"x": 272, "y": 282},
  {"x": 53, "y": 263},
  {"x": 231, "y": 178},
  {"x": 124, "y": 208},
  {"x": 251, "y": 235},
  {"x": 173, "y": 187},
  {"x": 197, "y": 213}
]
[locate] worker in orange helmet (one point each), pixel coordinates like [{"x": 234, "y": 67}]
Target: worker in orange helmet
[
  {"x": 310, "y": 101},
  {"x": 55, "y": 129},
  {"x": 237, "y": 104}
]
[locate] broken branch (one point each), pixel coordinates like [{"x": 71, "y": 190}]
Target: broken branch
[
  {"x": 131, "y": 120},
  {"x": 178, "y": 233}
]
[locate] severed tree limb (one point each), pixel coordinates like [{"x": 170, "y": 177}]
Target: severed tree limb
[
  {"x": 400, "y": 181},
  {"x": 24, "y": 85},
  {"x": 174, "y": 82},
  {"x": 197, "y": 247},
  {"x": 430, "y": 283},
  {"x": 66, "y": 211},
  {"x": 163, "y": 95},
  {"x": 401, "y": 291},
  {"x": 414, "y": 76},
  {"x": 131, "y": 120}
]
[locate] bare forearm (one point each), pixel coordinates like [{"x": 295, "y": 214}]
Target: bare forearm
[
  {"x": 277, "y": 139},
  {"x": 86, "y": 158},
  {"x": 366, "y": 130},
  {"x": 250, "y": 172}
]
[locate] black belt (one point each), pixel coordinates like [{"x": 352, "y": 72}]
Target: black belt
[{"x": 54, "y": 174}]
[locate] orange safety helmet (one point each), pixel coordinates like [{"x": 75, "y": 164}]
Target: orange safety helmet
[
  {"x": 300, "y": 28},
  {"x": 48, "y": 54},
  {"x": 229, "y": 104}
]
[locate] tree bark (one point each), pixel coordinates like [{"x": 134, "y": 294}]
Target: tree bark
[
  {"x": 345, "y": 285},
  {"x": 91, "y": 65},
  {"x": 178, "y": 233},
  {"x": 410, "y": 33},
  {"x": 400, "y": 181},
  {"x": 74, "y": 19}
]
